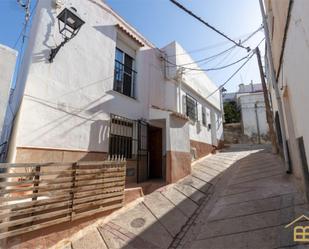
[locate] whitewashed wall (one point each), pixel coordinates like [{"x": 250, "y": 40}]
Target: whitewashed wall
[
  {"x": 199, "y": 86},
  {"x": 248, "y": 114},
  {"x": 294, "y": 76},
  {"x": 8, "y": 58},
  {"x": 67, "y": 103}
]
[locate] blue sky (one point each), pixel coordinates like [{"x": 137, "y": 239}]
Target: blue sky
[
  {"x": 12, "y": 19},
  {"x": 162, "y": 22}
]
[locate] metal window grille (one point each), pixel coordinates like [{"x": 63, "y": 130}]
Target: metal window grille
[
  {"x": 129, "y": 139},
  {"x": 191, "y": 107},
  {"x": 204, "y": 116},
  {"x": 123, "y": 137},
  {"x": 124, "y": 75}
]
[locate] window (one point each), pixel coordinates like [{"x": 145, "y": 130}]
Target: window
[
  {"x": 218, "y": 121},
  {"x": 204, "y": 121},
  {"x": 124, "y": 78},
  {"x": 121, "y": 137},
  {"x": 191, "y": 107}
]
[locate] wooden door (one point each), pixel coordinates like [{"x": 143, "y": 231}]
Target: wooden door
[{"x": 155, "y": 152}]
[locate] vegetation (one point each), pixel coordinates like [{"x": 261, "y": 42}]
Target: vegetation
[{"x": 231, "y": 112}]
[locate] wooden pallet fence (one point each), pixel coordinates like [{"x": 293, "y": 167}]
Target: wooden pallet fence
[{"x": 35, "y": 196}]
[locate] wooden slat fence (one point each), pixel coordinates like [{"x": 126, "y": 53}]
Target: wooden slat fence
[{"x": 34, "y": 196}]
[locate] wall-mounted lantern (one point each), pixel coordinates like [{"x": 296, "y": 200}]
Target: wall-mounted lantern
[{"x": 69, "y": 24}]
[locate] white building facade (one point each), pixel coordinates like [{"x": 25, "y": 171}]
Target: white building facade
[
  {"x": 109, "y": 91},
  {"x": 288, "y": 23},
  {"x": 8, "y": 58},
  {"x": 253, "y": 112}
]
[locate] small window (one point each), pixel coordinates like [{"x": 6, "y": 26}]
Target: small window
[
  {"x": 204, "y": 121},
  {"x": 124, "y": 79},
  {"x": 121, "y": 138},
  {"x": 191, "y": 107}
]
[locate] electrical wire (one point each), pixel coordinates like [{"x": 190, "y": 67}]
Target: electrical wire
[
  {"x": 228, "y": 65},
  {"x": 208, "y": 25},
  {"x": 215, "y": 45},
  {"x": 232, "y": 63},
  {"x": 222, "y": 85},
  {"x": 23, "y": 34},
  {"x": 27, "y": 17},
  {"x": 216, "y": 68},
  {"x": 225, "y": 66},
  {"x": 232, "y": 76},
  {"x": 211, "y": 58},
  {"x": 225, "y": 58}
]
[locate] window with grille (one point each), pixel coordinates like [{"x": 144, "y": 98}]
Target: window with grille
[
  {"x": 122, "y": 137},
  {"x": 204, "y": 121},
  {"x": 191, "y": 107},
  {"x": 124, "y": 76}
]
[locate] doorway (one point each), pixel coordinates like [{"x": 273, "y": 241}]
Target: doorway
[{"x": 155, "y": 152}]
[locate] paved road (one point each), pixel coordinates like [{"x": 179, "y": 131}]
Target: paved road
[{"x": 239, "y": 198}]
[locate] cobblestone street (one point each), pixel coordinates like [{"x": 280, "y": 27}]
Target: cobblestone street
[{"x": 239, "y": 198}]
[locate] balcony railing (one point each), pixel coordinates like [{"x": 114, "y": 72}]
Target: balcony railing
[{"x": 124, "y": 79}]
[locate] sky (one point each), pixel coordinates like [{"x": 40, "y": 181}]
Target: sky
[
  {"x": 12, "y": 19},
  {"x": 161, "y": 22}
]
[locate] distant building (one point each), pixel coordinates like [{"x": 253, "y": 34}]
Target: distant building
[
  {"x": 251, "y": 105},
  {"x": 228, "y": 97},
  {"x": 253, "y": 113},
  {"x": 250, "y": 88}
]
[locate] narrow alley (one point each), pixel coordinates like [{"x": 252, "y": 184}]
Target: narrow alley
[{"x": 239, "y": 198}]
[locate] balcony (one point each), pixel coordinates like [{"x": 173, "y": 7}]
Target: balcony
[{"x": 124, "y": 79}]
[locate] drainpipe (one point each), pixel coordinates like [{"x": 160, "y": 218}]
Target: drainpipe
[
  {"x": 275, "y": 84},
  {"x": 257, "y": 121}
]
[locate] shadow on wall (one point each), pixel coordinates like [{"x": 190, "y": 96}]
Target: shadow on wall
[
  {"x": 98, "y": 131},
  {"x": 107, "y": 30},
  {"x": 52, "y": 29},
  {"x": 44, "y": 54},
  {"x": 98, "y": 141}
]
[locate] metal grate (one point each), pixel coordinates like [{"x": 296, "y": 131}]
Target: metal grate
[
  {"x": 191, "y": 107},
  {"x": 123, "y": 137},
  {"x": 129, "y": 139},
  {"x": 124, "y": 79}
]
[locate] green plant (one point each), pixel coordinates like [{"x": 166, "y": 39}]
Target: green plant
[{"x": 231, "y": 112}]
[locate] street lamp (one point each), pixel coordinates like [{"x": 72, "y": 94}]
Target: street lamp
[{"x": 69, "y": 24}]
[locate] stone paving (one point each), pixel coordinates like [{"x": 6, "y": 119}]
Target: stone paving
[
  {"x": 250, "y": 209},
  {"x": 239, "y": 198}
]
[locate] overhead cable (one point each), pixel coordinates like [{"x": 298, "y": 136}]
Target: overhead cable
[
  {"x": 231, "y": 76},
  {"x": 208, "y": 25}
]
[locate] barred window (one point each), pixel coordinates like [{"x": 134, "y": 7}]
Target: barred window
[
  {"x": 204, "y": 121},
  {"x": 191, "y": 107},
  {"x": 121, "y": 137},
  {"x": 124, "y": 78}
]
